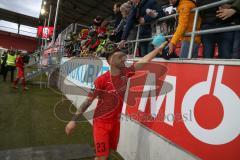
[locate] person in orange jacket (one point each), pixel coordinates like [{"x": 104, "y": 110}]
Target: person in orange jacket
[{"x": 185, "y": 24}]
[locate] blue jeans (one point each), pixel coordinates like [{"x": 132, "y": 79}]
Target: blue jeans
[
  {"x": 224, "y": 41},
  {"x": 185, "y": 48}
]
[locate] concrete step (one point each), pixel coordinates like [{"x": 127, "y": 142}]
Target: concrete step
[{"x": 55, "y": 152}]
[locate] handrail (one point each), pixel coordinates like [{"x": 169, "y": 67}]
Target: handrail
[
  {"x": 50, "y": 47},
  {"x": 194, "y": 31},
  {"x": 210, "y": 5},
  {"x": 192, "y": 34},
  {"x": 202, "y": 32}
]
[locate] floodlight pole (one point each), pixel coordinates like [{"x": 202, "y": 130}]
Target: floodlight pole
[
  {"x": 55, "y": 22},
  {"x": 49, "y": 18},
  {"x": 42, "y": 46}
]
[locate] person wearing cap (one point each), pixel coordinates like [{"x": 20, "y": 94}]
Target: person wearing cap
[{"x": 110, "y": 88}]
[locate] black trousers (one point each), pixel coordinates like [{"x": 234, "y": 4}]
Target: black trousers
[
  {"x": 2, "y": 69},
  {"x": 11, "y": 69}
]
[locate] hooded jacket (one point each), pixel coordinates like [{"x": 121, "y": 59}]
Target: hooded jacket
[{"x": 185, "y": 21}]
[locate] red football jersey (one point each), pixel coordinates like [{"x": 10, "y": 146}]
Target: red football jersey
[
  {"x": 20, "y": 62},
  {"x": 110, "y": 91}
]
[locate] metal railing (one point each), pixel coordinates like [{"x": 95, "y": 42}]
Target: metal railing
[
  {"x": 73, "y": 28},
  {"x": 38, "y": 56},
  {"x": 194, "y": 31}
]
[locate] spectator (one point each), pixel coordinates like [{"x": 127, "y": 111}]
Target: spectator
[
  {"x": 3, "y": 62},
  {"x": 125, "y": 10},
  {"x": 103, "y": 40},
  {"x": 172, "y": 22},
  {"x": 11, "y": 65},
  {"x": 185, "y": 24},
  {"x": 102, "y": 29},
  {"x": 139, "y": 14},
  {"x": 165, "y": 28},
  {"x": 225, "y": 13},
  {"x": 224, "y": 40},
  {"x": 92, "y": 41},
  {"x": 117, "y": 14}
]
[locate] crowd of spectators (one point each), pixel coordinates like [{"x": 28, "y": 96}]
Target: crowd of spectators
[{"x": 143, "y": 12}]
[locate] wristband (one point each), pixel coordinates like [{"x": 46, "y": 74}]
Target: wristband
[{"x": 75, "y": 117}]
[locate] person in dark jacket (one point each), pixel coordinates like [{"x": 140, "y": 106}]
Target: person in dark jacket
[
  {"x": 125, "y": 10},
  {"x": 143, "y": 13},
  {"x": 3, "y": 62},
  {"x": 224, "y": 14},
  {"x": 224, "y": 40},
  {"x": 117, "y": 14}
]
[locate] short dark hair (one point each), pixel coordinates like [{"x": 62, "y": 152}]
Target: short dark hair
[{"x": 98, "y": 21}]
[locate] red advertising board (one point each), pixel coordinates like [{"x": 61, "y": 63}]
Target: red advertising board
[{"x": 196, "y": 107}]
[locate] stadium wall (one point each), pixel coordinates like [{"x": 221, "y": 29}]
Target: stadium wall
[
  {"x": 173, "y": 111},
  {"x": 15, "y": 41}
]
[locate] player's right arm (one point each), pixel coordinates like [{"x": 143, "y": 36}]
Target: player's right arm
[
  {"x": 83, "y": 107},
  {"x": 94, "y": 92},
  {"x": 147, "y": 58}
]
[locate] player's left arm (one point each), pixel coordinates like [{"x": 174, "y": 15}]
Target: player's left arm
[{"x": 147, "y": 58}]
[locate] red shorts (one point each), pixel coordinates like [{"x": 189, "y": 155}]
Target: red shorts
[
  {"x": 106, "y": 136},
  {"x": 20, "y": 73}
]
